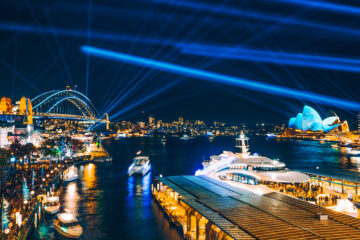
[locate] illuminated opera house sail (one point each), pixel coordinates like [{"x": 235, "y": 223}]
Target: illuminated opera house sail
[{"x": 310, "y": 121}]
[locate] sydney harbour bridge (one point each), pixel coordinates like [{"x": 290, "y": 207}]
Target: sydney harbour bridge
[{"x": 66, "y": 104}]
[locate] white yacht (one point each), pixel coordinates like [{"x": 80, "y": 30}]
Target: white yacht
[
  {"x": 52, "y": 205},
  {"x": 141, "y": 165},
  {"x": 71, "y": 174},
  {"x": 67, "y": 225},
  {"x": 353, "y": 151},
  {"x": 249, "y": 168}
]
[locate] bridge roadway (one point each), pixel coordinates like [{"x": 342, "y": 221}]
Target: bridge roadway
[
  {"x": 66, "y": 116},
  {"x": 215, "y": 210}
]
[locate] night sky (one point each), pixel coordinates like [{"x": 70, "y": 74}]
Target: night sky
[{"x": 40, "y": 45}]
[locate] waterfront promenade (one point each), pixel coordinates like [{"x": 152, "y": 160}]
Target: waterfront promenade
[
  {"x": 42, "y": 178},
  {"x": 205, "y": 208},
  {"x": 24, "y": 211}
]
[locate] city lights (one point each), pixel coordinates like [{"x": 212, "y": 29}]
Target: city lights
[{"x": 180, "y": 119}]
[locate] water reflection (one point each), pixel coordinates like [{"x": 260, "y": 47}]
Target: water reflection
[
  {"x": 138, "y": 204},
  {"x": 89, "y": 176},
  {"x": 71, "y": 199},
  {"x": 89, "y": 203},
  {"x": 139, "y": 185}
]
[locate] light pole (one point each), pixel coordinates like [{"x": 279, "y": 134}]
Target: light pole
[{"x": 13, "y": 159}]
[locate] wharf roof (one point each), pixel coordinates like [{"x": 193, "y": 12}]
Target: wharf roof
[
  {"x": 243, "y": 214},
  {"x": 340, "y": 174}
]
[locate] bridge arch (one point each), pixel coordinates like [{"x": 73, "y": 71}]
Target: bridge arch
[{"x": 53, "y": 102}]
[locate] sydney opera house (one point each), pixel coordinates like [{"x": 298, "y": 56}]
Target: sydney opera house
[{"x": 308, "y": 124}]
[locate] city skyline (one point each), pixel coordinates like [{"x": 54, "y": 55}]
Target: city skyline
[
  {"x": 180, "y": 119},
  {"x": 41, "y": 51}
]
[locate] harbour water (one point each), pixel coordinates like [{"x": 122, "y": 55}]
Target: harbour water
[{"x": 109, "y": 205}]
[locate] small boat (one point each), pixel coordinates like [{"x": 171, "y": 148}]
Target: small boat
[
  {"x": 67, "y": 225},
  {"x": 270, "y": 135},
  {"x": 52, "y": 205},
  {"x": 163, "y": 140},
  {"x": 121, "y": 135},
  {"x": 141, "y": 165},
  {"x": 334, "y": 145},
  {"x": 353, "y": 151},
  {"x": 185, "y": 137},
  {"x": 71, "y": 174}
]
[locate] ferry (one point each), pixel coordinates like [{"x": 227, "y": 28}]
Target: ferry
[
  {"x": 67, "y": 225},
  {"x": 248, "y": 168},
  {"x": 71, "y": 174},
  {"x": 141, "y": 165},
  {"x": 52, "y": 205}
]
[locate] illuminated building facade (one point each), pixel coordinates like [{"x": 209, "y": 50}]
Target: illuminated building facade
[
  {"x": 151, "y": 121},
  {"x": 181, "y": 120},
  {"x": 310, "y": 120}
]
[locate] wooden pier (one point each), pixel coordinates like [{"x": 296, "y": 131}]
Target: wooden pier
[{"x": 207, "y": 208}]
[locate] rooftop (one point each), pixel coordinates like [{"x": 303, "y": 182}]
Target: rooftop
[
  {"x": 245, "y": 215},
  {"x": 346, "y": 175}
]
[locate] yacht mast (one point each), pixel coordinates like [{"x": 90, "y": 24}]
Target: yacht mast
[{"x": 242, "y": 142}]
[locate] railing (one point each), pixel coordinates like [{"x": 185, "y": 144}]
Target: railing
[{"x": 27, "y": 223}]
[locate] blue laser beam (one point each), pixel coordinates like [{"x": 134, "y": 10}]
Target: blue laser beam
[
  {"x": 157, "y": 92},
  {"x": 334, "y": 7},
  {"x": 221, "y": 78},
  {"x": 283, "y": 58},
  {"x": 79, "y": 33},
  {"x": 233, "y": 12}
]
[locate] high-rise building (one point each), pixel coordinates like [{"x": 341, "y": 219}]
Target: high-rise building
[
  {"x": 159, "y": 124},
  {"x": 141, "y": 124},
  {"x": 181, "y": 120},
  {"x": 151, "y": 121}
]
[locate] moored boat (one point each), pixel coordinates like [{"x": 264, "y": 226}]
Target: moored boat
[
  {"x": 71, "y": 174},
  {"x": 67, "y": 225},
  {"x": 248, "y": 168},
  {"x": 52, "y": 205}
]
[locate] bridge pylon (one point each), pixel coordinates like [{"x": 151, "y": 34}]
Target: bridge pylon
[
  {"x": 25, "y": 108},
  {"x": 107, "y": 121}
]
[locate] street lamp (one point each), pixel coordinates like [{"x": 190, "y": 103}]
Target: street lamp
[{"x": 13, "y": 159}]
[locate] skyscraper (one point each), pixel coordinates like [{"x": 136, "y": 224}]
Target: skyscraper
[
  {"x": 151, "y": 121},
  {"x": 181, "y": 120}
]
